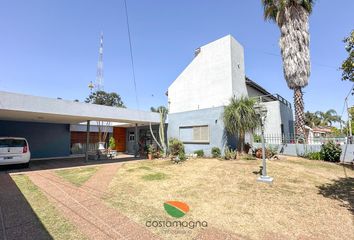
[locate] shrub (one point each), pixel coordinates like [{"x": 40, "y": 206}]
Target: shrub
[
  {"x": 331, "y": 152},
  {"x": 257, "y": 138},
  {"x": 269, "y": 152},
  {"x": 215, "y": 152},
  {"x": 313, "y": 156},
  {"x": 150, "y": 149},
  {"x": 200, "y": 153},
  {"x": 230, "y": 154},
  {"x": 176, "y": 146},
  {"x": 180, "y": 158},
  {"x": 112, "y": 143}
]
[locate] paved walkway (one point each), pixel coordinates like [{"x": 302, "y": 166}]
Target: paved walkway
[{"x": 99, "y": 182}]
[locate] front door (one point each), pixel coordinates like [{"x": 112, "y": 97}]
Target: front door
[{"x": 119, "y": 135}]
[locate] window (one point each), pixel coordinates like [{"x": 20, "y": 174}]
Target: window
[
  {"x": 5, "y": 143},
  {"x": 194, "y": 134},
  {"x": 131, "y": 136}
]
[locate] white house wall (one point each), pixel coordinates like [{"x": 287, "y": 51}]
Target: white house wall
[{"x": 211, "y": 79}]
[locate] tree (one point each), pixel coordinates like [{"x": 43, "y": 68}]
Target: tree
[
  {"x": 240, "y": 118},
  {"x": 348, "y": 64},
  {"x": 292, "y": 17},
  {"x": 312, "y": 119},
  {"x": 107, "y": 99},
  {"x": 163, "y": 115},
  {"x": 328, "y": 118}
]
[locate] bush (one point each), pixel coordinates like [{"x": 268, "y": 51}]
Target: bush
[
  {"x": 176, "y": 146},
  {"x": 112, "y": 143},
  {"x": 200, "y": 153},
  {"x": 150, "y": 149},
  {"x": 313, "y": 156},
  {"x": 257, "y": 138},
  {"x": 269, "y": 152},
  {"x": 180, "y": 158},
  {"x": 216, "y": 152},
  {"x": 230, "y": 154},
  {"x": 331, "y": 152}
]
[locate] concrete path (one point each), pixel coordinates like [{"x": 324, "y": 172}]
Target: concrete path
[{"x": 86, "y": 210}]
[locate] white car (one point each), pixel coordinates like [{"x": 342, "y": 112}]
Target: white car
[{"x": 14, "y": 150}]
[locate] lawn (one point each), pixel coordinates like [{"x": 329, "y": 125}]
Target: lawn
[
  {"x": 56, "y": 224},
  {"x": 308, "y": 199}
]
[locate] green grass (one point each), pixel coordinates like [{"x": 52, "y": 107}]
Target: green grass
[
  {"x": 154, "y": 176},
  {"x": 77, "y": 176},
  {"x": 56, "y": 225}
]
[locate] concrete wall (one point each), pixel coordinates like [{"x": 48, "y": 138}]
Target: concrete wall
[
  {"x": 299, "y": 149},
  {"x": 213, "y": 117},
  {"x": 211, "y": 79},
  {"x": 45, "y": 139}
]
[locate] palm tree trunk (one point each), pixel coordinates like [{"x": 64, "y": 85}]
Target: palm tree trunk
[{"x": 299, "y": 112}]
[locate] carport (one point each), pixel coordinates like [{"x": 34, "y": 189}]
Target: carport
[{"x": 51, "y": 118}]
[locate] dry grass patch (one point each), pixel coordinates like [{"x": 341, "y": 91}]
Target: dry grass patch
[
  {"x": 227, "y": 196},
  {"x": 77, "y": 176}
]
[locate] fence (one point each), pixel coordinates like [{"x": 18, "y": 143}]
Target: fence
[
  {"x": 80, "y": 148},
  {"x": 292, "y": 139}
]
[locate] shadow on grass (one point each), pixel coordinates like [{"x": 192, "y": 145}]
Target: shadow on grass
[
  {"x": 17, "y": 218},
  {"x": 341, "y": 189}
]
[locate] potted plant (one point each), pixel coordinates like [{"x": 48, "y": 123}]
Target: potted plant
[
  {"x": 112, "y": 143},
  {"x": 150, "y": 150}
]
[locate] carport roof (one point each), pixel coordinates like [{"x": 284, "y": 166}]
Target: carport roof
[{"x": 20, "y": 107}]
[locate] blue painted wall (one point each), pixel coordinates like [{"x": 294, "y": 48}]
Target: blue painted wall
[
  {"x": 45, "y": 139},
  {"x": 213, "y": 117}
]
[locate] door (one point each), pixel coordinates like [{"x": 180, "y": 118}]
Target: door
[{"x": 119, "y": 135}]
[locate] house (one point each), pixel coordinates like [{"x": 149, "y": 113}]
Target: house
[
  {"x": 53, "y": 126},
  {"x": 196, "y": 99}
]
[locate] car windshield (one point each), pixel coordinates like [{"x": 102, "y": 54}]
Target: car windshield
[{"x": 5, "y": 143}]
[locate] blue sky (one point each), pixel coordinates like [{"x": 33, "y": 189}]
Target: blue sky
[{"x": 50, "y": 48}]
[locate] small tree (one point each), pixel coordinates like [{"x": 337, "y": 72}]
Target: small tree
[
  {"x": 348, "y": 64},
  {"x": 240, "y": 118},
  {"x": 107, "y": 99}
]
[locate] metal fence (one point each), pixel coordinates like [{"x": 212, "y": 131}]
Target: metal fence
[
  {"x": 80, "y": 148},
  {"x": 289, "y": 139}
]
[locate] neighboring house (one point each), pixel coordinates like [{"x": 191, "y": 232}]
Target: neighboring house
[
  {"x": 197, "y": 98},
  {"x": 322, "y": 131}
]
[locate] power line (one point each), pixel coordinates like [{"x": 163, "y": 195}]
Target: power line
[
  {"x": 313, "y": 63},
  {"x": 131, "y": 54}
]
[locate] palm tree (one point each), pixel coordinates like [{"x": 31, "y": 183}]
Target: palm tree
[
  {"x": 312, "y": 119},
  {"x": 329, "y": 117},
  {"x": 292, "y": 17},
  {"x": 240, "y": 118}
]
